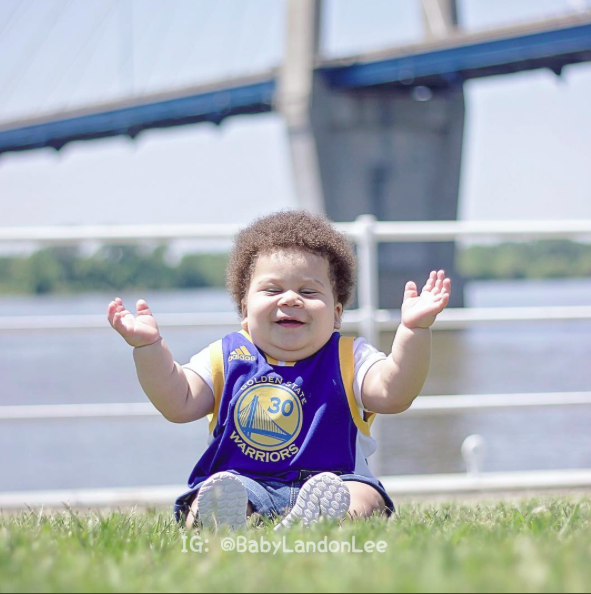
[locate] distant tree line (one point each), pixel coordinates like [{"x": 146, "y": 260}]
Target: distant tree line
[
  {"x": 67, "y": 270},
  {"x": 532, "y": 260}
]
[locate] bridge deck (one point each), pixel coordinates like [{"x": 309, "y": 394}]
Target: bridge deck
[{"x": 548, "y": 44}]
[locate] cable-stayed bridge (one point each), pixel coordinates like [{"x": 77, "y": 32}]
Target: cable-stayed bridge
[
  {"x": 377, "y": 133},
  {"x": 443, "y": 63}
]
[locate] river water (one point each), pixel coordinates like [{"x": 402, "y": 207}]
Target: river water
[{"x": 97, "y": 366}]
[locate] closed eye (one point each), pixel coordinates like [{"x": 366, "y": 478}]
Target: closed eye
[{"x": 304, "y": 292}]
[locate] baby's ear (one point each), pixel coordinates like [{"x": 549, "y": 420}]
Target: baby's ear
[
  {"x": 338, "y": 313},
  {"x": 244, "y": 322}
]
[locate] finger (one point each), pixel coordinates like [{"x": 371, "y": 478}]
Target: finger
[
  {"x": 114, "y": 308},
  {"x": 430, "y": 282},
  {"x": 111, "y": 312},
  {"x": 444, "y": 283},
  {"x": 123, "y": 323},
  {"x": 410, "y": 290},
  {"x": 440, "y": 275},
  {"x": 444, "y": 301},
  {"x": 439, "y": 282},
  {"x": 143, "y": 308},
  {"x": 117, "y": 322},
  {"x": 430, "y": 285}
]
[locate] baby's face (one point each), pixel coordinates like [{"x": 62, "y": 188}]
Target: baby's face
[{"x": 290, "y": 310}]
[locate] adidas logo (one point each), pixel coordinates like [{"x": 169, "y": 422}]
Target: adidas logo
[{"x": 241, "y": 354}]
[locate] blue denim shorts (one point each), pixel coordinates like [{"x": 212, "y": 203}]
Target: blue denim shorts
[{"x": 274, "y": 498}]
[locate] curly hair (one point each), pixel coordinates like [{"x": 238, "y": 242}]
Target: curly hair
[{"x": 295, "y": 229}]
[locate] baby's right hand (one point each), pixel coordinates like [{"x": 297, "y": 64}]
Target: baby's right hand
[{"x": 138, "y": 331}]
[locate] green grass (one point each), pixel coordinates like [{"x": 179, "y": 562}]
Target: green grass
[{"x": 538, "y": 545}]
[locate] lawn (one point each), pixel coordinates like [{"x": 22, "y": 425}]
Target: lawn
[{"x": 535, "y": 545}]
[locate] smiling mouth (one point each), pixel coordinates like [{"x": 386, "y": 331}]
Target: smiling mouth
[{"x": 290, "y": 323}]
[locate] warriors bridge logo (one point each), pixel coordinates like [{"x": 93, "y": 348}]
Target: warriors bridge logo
[{"x": 269, "y": 418}]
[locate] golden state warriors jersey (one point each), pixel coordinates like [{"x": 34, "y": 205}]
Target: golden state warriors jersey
[{"x": 272, "y": 420}]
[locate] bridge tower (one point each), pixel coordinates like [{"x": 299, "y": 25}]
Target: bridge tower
[{"x": 391, "y": 152}]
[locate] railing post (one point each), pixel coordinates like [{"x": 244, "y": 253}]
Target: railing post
[
  {"x": 368, "y": 295},
  {"x": 367, "y": 275}
]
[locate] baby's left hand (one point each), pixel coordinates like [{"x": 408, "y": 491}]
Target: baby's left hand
[{"x": 421, "y": 311}]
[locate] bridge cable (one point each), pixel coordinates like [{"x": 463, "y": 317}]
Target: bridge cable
[
  {"x": 234, "y": 70},
  {"x": 204, "y": 26},
  {"x": 140, "y": 41},
  {"x": 28, "y": 57},
  {"x": 163, "y": 35},
  {"x": 80, "y": 53},
  {"x": 98, "y": 34},
  {"x": 13, "y": 14}
]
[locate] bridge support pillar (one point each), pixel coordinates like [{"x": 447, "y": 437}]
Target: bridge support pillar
[
  {"x": 440, "y": 17},
  {"x": 393, "y": 155},
  {"x": 392, "y": 152}
]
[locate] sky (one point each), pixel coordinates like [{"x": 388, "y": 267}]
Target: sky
[{"x": 526, "y": 149}]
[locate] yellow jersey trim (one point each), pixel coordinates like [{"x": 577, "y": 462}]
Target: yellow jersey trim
[
  {"x": 347, "y": 362},
  {"x": 370, "y": 418},
  {"x": 272, "y": 361},
  {"x": 216, "y": 355}
]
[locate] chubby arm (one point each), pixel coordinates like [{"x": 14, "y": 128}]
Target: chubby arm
[
  {"x": 391, "y": 386},
  {"x": 181, "y": 396}
]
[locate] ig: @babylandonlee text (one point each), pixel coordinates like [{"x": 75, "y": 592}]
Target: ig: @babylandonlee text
[{"x": 262, "y": 545}]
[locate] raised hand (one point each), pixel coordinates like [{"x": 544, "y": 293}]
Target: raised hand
[
  {"x": 139, "y": 330},
  {"x": 421, "y": 311}
]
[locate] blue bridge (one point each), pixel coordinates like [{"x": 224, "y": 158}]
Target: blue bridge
[
  {"x": 378, "y": 133},
  {"x": 440, "y": 64}
]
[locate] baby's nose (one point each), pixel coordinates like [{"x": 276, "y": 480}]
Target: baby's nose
[{"x": 290, "y": 298}]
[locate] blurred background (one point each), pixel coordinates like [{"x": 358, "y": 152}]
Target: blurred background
[{"x": 207, "y": 113}]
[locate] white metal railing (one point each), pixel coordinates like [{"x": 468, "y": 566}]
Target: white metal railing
[
  {"x": 424, "y": 405},
  {"x": 383, "y": 231},
  {"x": 367, "y": 233},
  {"x": 414, "y": 486},
  {"x": 385, "y": 320}
]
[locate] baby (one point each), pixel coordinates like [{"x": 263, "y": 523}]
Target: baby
[{"x": 290, "y": 401}]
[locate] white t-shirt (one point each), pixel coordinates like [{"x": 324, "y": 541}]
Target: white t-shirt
[{"x": 365, "y": 356}]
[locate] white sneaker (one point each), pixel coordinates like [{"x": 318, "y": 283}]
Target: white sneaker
[
  {"x": 222, "y": 501},
  {"x": 324, "y": 496}
]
